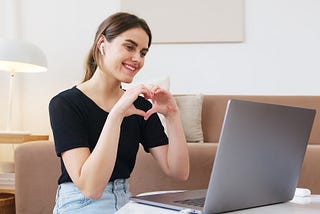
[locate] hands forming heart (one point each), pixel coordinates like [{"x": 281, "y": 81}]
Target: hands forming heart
[{"x": 162, "y": 101}]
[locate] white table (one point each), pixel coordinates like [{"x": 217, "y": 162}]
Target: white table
[{"x": 305, "y": 205}]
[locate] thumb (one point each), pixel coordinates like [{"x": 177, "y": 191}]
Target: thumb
[
  {"x": 149, "y": 113},
  {"x": 139, "y": 112}
]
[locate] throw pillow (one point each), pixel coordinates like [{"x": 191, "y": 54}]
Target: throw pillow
[{"x": 190, "y": 110}]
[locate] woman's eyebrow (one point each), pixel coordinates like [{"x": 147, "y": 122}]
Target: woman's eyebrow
[
  {"x": 135, "y": 44},
  {"x": 132, "y": 42}
]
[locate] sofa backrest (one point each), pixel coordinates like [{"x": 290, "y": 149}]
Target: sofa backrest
[{"x": 214, "y": 106}]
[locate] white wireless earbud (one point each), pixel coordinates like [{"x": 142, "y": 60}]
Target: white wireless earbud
[{"x": 101, "y": 48}]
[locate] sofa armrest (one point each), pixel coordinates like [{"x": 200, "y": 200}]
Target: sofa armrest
[
  {"x": 310, "y": 172},
  {"x": 147, "y": 175},
  {"x": 36, "y": 173}
]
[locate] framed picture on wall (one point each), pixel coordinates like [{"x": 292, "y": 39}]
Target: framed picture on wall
[{"x": 191, "y": 21}]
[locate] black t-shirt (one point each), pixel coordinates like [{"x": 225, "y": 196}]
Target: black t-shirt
[{"x": 77, "y": 121}]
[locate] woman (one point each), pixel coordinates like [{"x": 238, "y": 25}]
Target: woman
[{"x": 97, "y": 126}]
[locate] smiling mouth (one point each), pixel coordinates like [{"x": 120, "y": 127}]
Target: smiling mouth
[{"x": 130, "y": 67}]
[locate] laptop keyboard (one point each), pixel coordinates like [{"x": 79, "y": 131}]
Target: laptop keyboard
[{"x": 198, "y": 202}]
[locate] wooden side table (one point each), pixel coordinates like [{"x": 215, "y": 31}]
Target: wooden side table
[
  {"x": 16, "y": 138},
  {"x": 20, "y": 138}
]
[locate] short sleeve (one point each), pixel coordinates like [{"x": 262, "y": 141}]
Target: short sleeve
[
  {"x": 154, "y": 134},
  {"x": 68, "y": 124}
]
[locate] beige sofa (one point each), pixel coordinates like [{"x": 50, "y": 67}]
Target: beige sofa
[{"x": 37, "y": 167}]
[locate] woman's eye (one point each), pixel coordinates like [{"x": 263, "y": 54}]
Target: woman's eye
[
  {"x": 130, "y": 48},
  {"x": 143, "y": 53}
]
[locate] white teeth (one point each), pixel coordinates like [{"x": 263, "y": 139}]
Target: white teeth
[{"x": 130, "y": 67}]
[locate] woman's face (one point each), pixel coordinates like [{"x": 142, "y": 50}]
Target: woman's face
[{"x": 124, "y": 55}]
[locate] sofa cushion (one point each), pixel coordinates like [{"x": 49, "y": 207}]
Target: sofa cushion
[{"x": 190, "y": 110}]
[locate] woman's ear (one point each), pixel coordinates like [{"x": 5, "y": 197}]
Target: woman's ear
[
  {"x": 102, "y": 48},
  {"x": 100, "y": 45}
]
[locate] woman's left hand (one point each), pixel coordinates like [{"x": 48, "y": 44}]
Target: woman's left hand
[
  {"x": 162, "y": 102},
  {"x": 174, "y": 157}
]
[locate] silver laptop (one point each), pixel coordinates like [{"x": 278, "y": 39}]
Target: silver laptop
[{"x": 257, "y": 163}]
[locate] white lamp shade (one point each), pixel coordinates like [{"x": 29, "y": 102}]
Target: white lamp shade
[{"x": 21, "y": 56}]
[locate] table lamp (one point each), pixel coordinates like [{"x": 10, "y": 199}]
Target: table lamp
[{"x": 19, "y": 56}]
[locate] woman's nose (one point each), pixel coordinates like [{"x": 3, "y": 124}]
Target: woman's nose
[{"x": 136, "y": 57}]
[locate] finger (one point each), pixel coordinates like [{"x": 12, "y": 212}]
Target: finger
[
  {"x": 149, "y": 113},
  {"x": 160, "y": 91},
  {"x": 145, "y": 92},
  {"x": 139, "y": 112},
  {"x": 153, "y": 87}
]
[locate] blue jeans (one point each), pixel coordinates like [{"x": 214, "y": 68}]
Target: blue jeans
[{"x": 70, "y": 200}]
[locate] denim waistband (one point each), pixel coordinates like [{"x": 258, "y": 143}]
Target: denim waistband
[{"x": 116, "y": 185}]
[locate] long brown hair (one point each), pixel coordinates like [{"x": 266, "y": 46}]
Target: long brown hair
[{"x": 111, "y": 28}]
